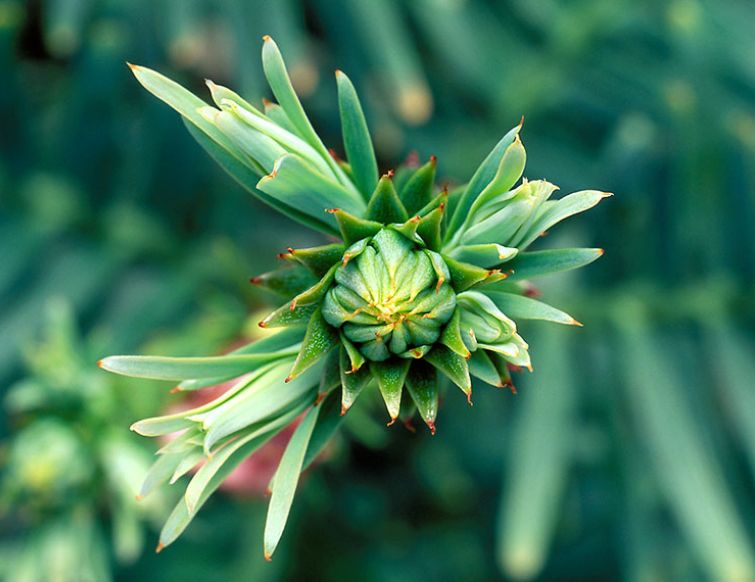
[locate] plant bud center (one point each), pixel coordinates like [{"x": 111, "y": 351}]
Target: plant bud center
[{"x": 389, "y": 299}]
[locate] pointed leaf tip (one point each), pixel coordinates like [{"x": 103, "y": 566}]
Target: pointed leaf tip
[
  {"x": 266, "y": 37},
  {"x": 160, "y": 547}
]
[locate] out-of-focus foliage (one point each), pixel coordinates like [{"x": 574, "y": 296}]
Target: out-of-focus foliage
[
  {"x": 71, "y": 476},
  {"x": 636, "y": 460}
]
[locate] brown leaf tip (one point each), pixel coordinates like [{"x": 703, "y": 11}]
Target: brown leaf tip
[
  {"x": 100, "y": 364},
  {"x": 267, "y": 38},
  {"x": 601, "y": 252},
  {"x": 256, "y": 280},
  {"x": 431, "y": 426},
  {"x": 389, "y": 174},
  {"x": 132, "y": 66},
  {"x": 268, "y": 557},
  {"x": 433, "y": 159},
  {"x": 175, "y": 390},
  {"x": 160, "y": 547}
]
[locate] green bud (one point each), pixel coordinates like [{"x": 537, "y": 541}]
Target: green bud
[
  {"x": 388, "y": 299},
  {"x": 485, "y": 326}
]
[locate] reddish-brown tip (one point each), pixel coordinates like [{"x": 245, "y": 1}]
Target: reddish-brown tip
[
  {"x": 339, "y": 72},
  {"x": 255, "y": 280},
  {"x": 344, "y": 410},
  {"x": 320, "y": 397},
  {"x": 431, "y": 426},
  {"x": 175, "y": 390},
  {"x": 268, "y": 557},
  {"x": 99, "y": 364},
  {"x": 469, "y": 398},
  {"x": 601, "y": 252},
  {"x": 433, "y": 159},
  {"x": 266, "y": 102},
  {"x": 288, "y": 378},
  {"x": 392, "y": 422},
  {"x": 293, "y": 305},
  {"x": 521, "y": 122},
  {"x": 262, "y": 324},
  {"x": 132, "y": 66},
  {"x": 267, "y": 37},
  {"x": 160, "y": 547},
  {"x": 389, "y": 174}
]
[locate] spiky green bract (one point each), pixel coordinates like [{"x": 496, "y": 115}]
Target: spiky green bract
[{"x": 422, "y": 290}]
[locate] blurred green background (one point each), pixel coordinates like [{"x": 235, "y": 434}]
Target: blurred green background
[{"x": 628, "y": 454}]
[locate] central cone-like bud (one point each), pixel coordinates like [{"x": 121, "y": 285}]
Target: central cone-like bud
[{"x": 391, "y": 298}]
